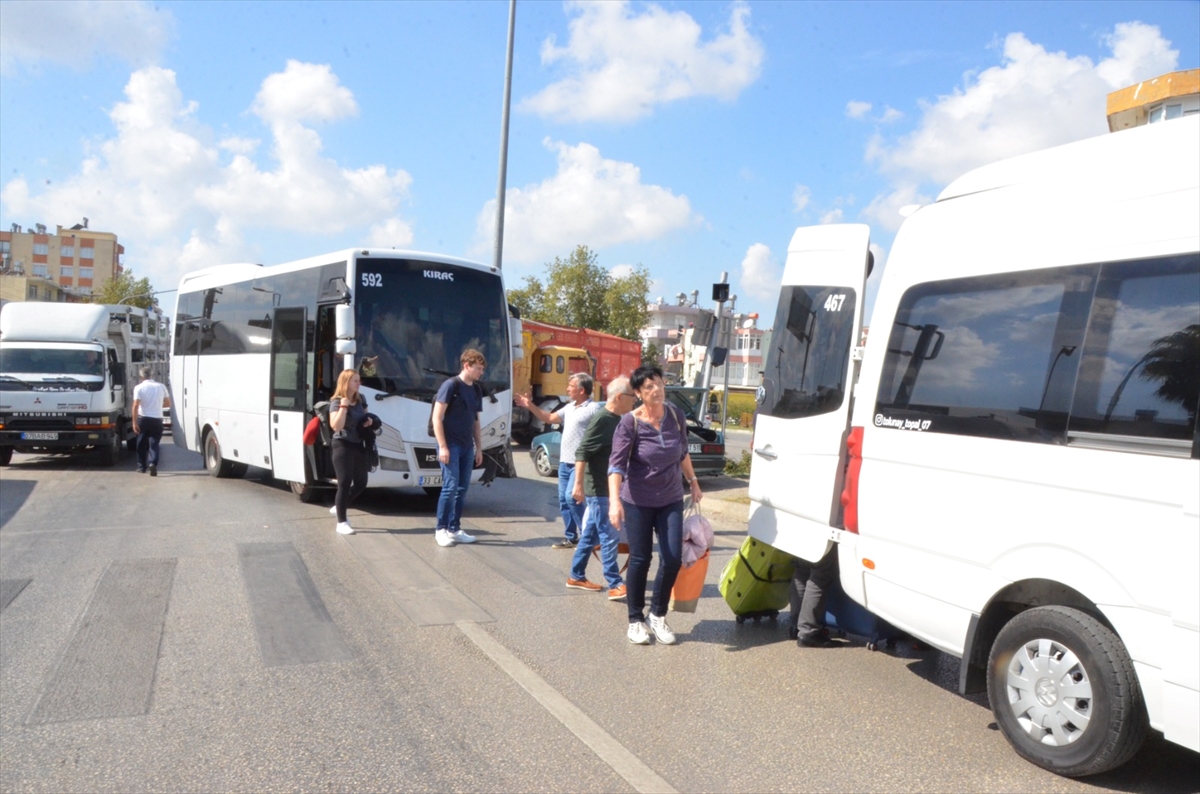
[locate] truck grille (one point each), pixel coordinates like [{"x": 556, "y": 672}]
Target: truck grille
[
  {"x": 40, "y": 425},
  {"x": 426, "y": 458}
]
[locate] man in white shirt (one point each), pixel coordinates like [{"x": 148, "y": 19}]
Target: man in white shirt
[
  {"x": 574, "y": 416},
  {"x": 148, "y": 399}
]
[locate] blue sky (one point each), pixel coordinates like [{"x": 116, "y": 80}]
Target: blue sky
[{"x": 689, "y": 137}]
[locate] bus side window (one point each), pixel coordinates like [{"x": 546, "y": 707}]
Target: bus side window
[{"x": 546, "y": 365}]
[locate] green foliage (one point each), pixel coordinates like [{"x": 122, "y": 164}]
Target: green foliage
[
  {"x": 650, "y": 355},
  {"x": 578, "y": 292},
  {"x": 135, "y": 292},
  {"x": 739, "y": 468},
  {"x": 741, "y": 406}
]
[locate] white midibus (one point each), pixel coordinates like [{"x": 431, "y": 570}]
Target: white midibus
[{"x": 256, "y": 348}]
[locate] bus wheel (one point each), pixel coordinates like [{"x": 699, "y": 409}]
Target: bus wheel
[
  {"x": 434, "y": 492},
  {"x": 305, "y": 491},
  {"x": 213, "y": 462},
  {"x": 1064, "y": 692},
  {"x": 5, "y": 455}
]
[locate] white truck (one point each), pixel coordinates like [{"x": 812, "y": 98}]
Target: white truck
[{"x": 67, "y": 372}]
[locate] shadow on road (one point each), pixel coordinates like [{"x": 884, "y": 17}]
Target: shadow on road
[{"x": 13, "y": 494}]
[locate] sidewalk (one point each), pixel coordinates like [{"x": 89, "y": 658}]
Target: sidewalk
[{"x": 726, "y": 501}]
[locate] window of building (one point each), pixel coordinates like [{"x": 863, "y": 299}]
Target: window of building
[
  {"x": 67, "y": 271},
  {"x": 87, "y": 253},
  {"x": 1174, "y": 111},
  {"x": 85, "y": 272},
  {"x": 31, "y": 291},
  {"x": 41, "y": 249},
  {"x": 5, "y": 246},
  {"x": 41, "y": 270},
  {"x": 66, "y": 251}
]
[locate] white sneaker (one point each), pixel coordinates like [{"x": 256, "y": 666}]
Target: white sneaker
[
  {"x": 638, "y": 634},
  {"x": 662, "y": 632},
  {"x": 445, "y": 537},
  {"x": 333, "y": 510},
  {"x": 462, "y": 537},
  {"x": 344, "y": 528}
]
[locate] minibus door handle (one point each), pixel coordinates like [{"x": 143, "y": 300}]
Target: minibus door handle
[{"x": 766, "y": 452}]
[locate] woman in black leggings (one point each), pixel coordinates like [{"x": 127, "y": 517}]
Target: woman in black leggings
[{"x": 347, "y": 413}]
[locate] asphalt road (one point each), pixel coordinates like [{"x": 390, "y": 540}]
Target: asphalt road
[{"x": 182, "y": 633}]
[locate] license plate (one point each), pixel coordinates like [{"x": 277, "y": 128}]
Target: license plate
[
  {"x": 431, "y": 480},
  {"x": 694, "y": 449},
  {"x": 39, "y": 436}
]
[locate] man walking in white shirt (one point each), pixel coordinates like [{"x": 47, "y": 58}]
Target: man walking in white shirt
[
  {"x": 574, "y": 416},
  {"x": 148, "y": 399}
]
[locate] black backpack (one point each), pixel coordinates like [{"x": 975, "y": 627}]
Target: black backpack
[{"x": 454, "y": 395}]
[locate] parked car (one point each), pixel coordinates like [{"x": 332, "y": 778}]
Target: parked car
[
  {"x": 705, "y": 445},
  {"x": 544, "y": 451}
]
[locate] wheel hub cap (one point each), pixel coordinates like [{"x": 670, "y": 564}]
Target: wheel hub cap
[{"x": 1047, "y": 692}]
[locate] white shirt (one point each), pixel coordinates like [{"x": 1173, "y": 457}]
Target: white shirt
[
  {"x": 575, "y": 420},
  {"x": 149, "y": 394}
]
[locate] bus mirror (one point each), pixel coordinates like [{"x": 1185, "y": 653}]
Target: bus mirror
[
  {"x": 343, "y": 319},
  {"x": 514, "y": 334},
  {"x": 346, "y": 347}
]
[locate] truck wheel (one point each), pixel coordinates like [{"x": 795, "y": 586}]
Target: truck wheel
[
  {"x": 541, "y": 462},
  {"x": 1064, "y": 692},
  {"x": 110, "y": 453},
  {"x": 5, "y": 455},
  {"x": 216, "y": 465}
]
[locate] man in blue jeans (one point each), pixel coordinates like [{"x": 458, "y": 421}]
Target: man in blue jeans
[
  {"x": 574, "y": 416},
  {"x": 591, "y": 488},
  {"x": 460, "y": 444}
]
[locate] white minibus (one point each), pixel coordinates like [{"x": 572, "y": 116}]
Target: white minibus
[
  {"x": 257, "y": 348},
  {"x": 1010, "y": 465}
]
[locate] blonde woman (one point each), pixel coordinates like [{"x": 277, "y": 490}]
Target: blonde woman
[{"x": 348, "y": 414}]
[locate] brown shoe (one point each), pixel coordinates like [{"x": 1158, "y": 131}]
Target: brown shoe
[
  {"x": 584, "y": 584},
  {"x": 617, "y": 593}
]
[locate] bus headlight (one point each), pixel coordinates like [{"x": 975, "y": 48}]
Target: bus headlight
[{"x": 495, "y": 432}]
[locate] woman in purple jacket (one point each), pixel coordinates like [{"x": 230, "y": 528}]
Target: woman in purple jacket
[{"x": 648, "y": 466}]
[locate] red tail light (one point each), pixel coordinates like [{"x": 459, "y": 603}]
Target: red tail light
[
  {"x": 713, "y": 449},
  {"x": 850, "y": 492}
]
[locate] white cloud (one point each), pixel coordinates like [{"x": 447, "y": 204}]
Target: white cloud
[
  {"x": 884, "y": 209},
  {"x": 1033, "y": 100},
  {"x": 621, "y": 64},
  {"x": 74, "y": 32},
  {"x": 890, "y": 114},
  {"x": 800, "y": 197},
  {"x": 192, "y": 207},
  {"x": 590, "y": 200},
  {"x": 833, "y": 216},
  {"x": 857, "y": 110},
  {"x": 621, "y": 271},
  {"x": 304, "y": 92},
  {"x": 761, "y": 274}
]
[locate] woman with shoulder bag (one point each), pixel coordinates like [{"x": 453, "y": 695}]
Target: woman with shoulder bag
[
  {"x": 347, "y": 414},
  {"x": 648, "y": 466}
]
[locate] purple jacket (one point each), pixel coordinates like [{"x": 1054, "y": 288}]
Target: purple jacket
[{"x": 649, "y": 460}]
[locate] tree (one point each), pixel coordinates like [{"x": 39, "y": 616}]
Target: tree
[
  {"x": 136, "y": 292},
  {"x": 651, "y": 356},
  {"x": 579, "y": 292}
]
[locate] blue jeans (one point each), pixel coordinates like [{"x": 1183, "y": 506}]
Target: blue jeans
[
  {"x": 597, "y": 532},
  {"x": 572, "y": 513},
  {"x": 147, "y": 441},
  {"x": 641, "y": 524},
  {"x": 456, "y": 478}
]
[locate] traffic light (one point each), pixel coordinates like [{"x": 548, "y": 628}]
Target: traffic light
[{"x": 721, "y": 292}]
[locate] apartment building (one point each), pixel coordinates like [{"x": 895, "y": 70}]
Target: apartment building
[
  {"x": 79, "y": 260},
  {"x": 1168, "y": 96}
]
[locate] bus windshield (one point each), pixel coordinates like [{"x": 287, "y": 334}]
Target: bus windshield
[{"x": 414, "y": 319}]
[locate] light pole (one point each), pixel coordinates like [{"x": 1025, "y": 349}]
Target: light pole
[
  {"x": 143, "y": 295},
  {"x": 499, "y": 248}
]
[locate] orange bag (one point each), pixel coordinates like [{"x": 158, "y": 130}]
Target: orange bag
[{"x": 689, "y": 584}]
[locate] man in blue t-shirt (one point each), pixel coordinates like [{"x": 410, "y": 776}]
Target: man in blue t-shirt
[{"x": 460, "y": 443}]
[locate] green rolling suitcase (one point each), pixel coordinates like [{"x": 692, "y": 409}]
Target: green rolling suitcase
[{"x": 757, "y": 580}]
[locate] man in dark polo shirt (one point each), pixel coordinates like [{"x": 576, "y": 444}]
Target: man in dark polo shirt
[{"x": 591, "y": 488}]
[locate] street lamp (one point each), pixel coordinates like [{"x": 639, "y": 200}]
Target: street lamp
[{"x": 143, "y": 295}]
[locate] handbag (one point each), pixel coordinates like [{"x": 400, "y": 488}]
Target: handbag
[
  {"x": 689, "y": 585},
  {"x": 697, "y": 534}
]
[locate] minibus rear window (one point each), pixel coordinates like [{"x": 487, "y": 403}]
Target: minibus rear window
[{"x": 808, "y": 362}]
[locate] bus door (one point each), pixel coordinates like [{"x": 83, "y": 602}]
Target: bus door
[
  {"x": 288, "y": 394},
  {"x": 185, "y": 404}
]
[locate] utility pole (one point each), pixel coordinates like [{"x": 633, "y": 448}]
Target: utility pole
[
  {"x": 499, "y": 248},
  {"x": 720, "y": 293}
]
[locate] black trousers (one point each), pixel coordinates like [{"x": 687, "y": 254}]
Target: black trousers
[
  {"x": 350, "y": 464},
  {"x": 810, "y": 588},
  {"x": 147, "y": 441}
]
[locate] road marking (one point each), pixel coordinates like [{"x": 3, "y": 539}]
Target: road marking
[
  {"x": 290, "y": 619},
  {"x": 108, "y": 667},
  {"x": 623, "y": 762}
]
